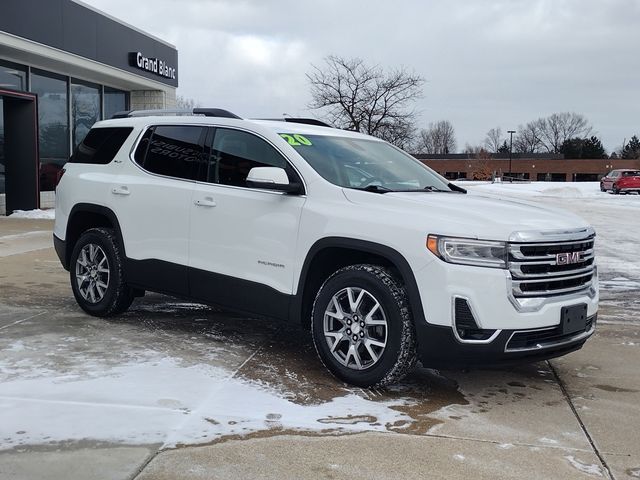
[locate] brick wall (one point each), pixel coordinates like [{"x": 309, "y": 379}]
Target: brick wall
[
  {"x": 532, "y": 166},
  {"x": 152, "y": 99}
]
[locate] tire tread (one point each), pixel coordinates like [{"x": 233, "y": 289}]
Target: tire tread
[{"x": 407, "y": 358}]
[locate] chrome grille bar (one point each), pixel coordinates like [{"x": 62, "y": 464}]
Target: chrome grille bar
[{"x": 535, "y": 271}]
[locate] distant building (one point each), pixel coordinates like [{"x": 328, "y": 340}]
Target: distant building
[{"x": 542, "y": 167}]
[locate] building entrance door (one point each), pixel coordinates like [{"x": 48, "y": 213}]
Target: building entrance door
[{"x": 19, "y": 161}]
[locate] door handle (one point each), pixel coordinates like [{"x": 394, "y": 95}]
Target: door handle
[
  {"x": 205, "y": 202},
  {"x": 122, "y": 190}
]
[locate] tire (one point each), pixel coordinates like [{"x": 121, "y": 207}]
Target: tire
[
  {"x": 602, "y": 189},
  {"x": 97, "y": 274},
  {"x": 614, "y": 189},
  {"x": 366, "y": 353}
]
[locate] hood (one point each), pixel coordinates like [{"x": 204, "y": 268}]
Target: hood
[{"x": 466, "y": 215}]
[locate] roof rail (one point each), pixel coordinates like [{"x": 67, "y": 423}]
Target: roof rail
[
  {"x": 207, "y": 112},
  {"x": 306, "y": 121}
]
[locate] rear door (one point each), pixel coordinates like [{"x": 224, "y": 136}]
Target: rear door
[
  {"x": 153, "y": 198},
  {"x": 609, "y": 179},
  {"x": 243, "y": 239}
]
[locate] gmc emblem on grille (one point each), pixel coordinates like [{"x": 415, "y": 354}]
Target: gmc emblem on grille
[{"x": 569, "y": 258}]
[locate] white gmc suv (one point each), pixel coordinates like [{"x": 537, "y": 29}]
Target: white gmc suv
[{"x": 383, "y": 259}]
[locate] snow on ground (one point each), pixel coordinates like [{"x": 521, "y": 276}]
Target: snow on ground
[
  {"x": 161, "y": 401},
  {"x": 34, "y": 214}
]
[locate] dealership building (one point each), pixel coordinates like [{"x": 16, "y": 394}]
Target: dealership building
[{"x": 64, "y": 66}]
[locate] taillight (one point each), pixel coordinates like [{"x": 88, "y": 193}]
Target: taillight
[{"x": 59, "y": 176}]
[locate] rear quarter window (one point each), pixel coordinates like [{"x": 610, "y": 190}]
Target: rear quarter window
[
  {"x": 172, "y": 150},
  {"x": 100, "y": 145}
]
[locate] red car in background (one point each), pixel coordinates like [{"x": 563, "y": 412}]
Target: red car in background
[{"x": 621, "y": 181}]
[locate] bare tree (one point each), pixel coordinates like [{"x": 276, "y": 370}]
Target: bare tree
[
  {"x": 366, "y": 99},
  {"x": 482, "y": 169},
  {"x": 528, "y": 138},
  {"x": 473, "y": 149},
  {"x": 184, "y": 103},
  {"x": 559, "y": 127},
  {"x": 493, "y": 140},
  {"x": 438, "y": 139}
]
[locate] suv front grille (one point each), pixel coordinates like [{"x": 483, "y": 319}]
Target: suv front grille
[{"x": 535, "y": 271}]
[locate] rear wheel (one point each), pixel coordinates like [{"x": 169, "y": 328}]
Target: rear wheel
[
  {"x": 362, "y": 326},
  {"x": 97, "y": 274}
]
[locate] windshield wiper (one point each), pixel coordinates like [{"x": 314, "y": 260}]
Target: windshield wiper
[
  {"x": 428, "y": 188},
  {"x": 375, "y": 189}
]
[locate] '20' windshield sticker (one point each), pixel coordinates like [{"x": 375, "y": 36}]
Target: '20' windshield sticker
[{"x": 296, "y": 139}]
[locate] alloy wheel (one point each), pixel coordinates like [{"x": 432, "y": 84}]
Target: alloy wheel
[
  {"x": 92, "y": 273},
  {"x": 355, "y": 328}
]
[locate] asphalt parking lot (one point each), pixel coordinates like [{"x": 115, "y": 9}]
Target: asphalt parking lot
[{"x": 174, "y": 390}]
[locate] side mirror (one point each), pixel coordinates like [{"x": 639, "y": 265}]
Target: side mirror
[{"x": 272, "y": 178}]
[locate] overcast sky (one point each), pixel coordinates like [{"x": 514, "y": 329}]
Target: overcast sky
[{"x": 486, "y": 63}]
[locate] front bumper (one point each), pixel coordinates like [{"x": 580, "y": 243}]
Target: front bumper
[
  {"x": 438, "y": 347},
  {"x": 489, "y": 294},
  {"x": 517, "y": 331}
]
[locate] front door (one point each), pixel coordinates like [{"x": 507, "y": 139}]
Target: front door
[
  {"x": 19, "y": 160},
  {"x": 243, "y": 240}
]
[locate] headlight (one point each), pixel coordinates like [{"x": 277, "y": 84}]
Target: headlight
[{"x": 465, "y": 251}]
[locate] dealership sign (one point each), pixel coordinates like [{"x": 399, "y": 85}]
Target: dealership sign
[{"x": 153, "y": 65}]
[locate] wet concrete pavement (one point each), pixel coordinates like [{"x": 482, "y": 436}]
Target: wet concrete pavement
[{"x": 175, "y": 390}]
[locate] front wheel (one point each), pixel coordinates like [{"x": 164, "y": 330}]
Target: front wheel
[
  {"x": 602, "y": 189},
  {"x": 362, "y": 326},
  {"x": 97, "y": 274},
  {"x": 614, "y": 189}
]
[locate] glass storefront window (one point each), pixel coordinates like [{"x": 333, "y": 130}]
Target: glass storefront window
[
  {"x": 13, "y": 76},
  {"x": 85, "y": 109},
  {"x": 114, "y": 101},
  {"x": 53, "y": 119}
]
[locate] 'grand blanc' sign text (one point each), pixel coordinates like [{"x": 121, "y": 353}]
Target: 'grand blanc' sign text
[{"x": 153, "y": 65}]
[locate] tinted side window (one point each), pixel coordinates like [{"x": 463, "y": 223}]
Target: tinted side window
[
  {"x": 100, "y": 145},
  {"x": 175, "y": 151},
  {"x": 234, "y": 153}
]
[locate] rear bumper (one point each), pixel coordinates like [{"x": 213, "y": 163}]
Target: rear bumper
[
  {"x": 61, "y": 250},
  {"x": 438, "y": 346}
]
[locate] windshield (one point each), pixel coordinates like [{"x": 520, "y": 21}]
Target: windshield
[{"x": 365, "y": 164}]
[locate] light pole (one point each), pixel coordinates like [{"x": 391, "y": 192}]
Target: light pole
[{"x": 510, "y": 132}]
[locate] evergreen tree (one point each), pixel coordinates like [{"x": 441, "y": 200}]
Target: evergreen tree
[
  {"x": 572, "y": 147},
  {"x": 583, "y": 148},
  {"x": 504, "y": 148},
  {"x": 632, "y": 149},
  {"x": 593, "y": 148}
]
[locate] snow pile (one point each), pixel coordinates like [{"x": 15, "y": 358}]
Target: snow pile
[{"x": 34, "y": 214}]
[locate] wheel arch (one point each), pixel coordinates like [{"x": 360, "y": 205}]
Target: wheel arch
[
  {"x": 329, "y": 254},
  {"x": 84, "y": 216}
]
